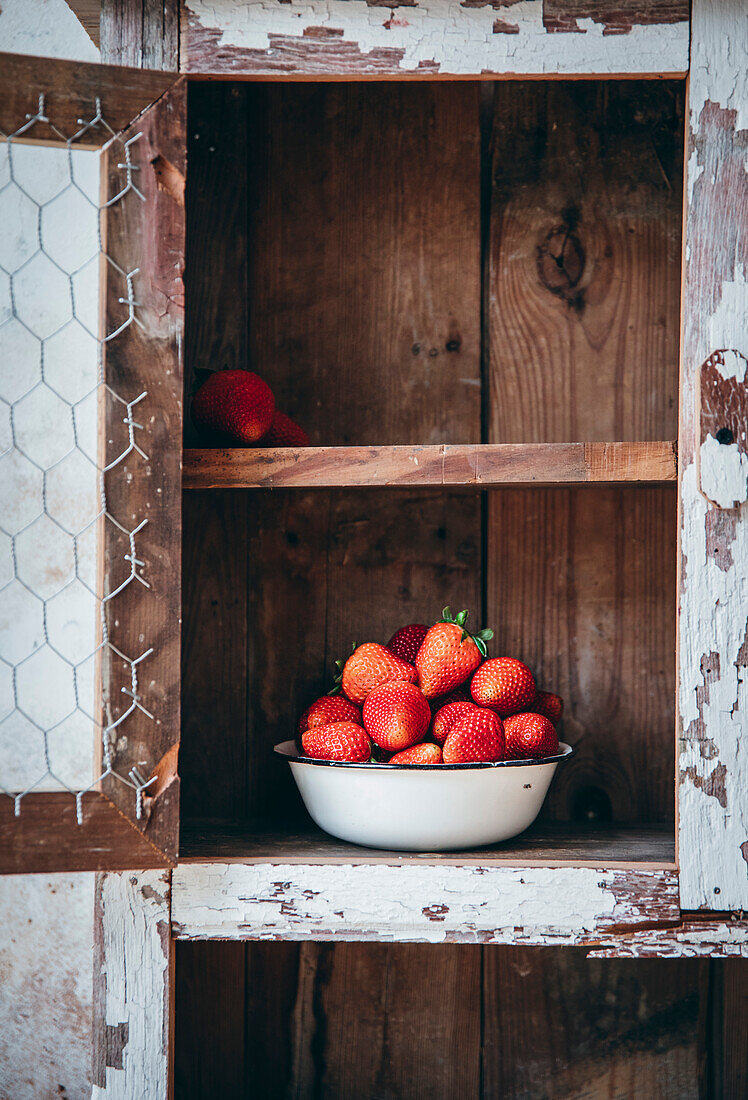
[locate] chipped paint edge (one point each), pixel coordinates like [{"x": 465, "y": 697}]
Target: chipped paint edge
[{"x": 692, "y": 940}]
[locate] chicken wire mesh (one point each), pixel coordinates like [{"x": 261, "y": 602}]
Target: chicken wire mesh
[{"x": 54, "y": 468}]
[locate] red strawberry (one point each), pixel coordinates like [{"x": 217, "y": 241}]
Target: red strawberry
[
  {"x": 370, "y": 666},
  {"x": 447, "y": 716},
  {"x": 459, "y": 695},
  {"x": 330, "y": 708},
  {"x": 406, "y": 641},
  {"x": 425, "y": 753},
  {"x": 396, "y": 715},
  {"x": 477, "y": 737},
  {"x": 504, "y": 684},
  {"x": 449, "y": 654},
  {"x": 550, "y": 705},
  {"x": 236, "y": 403},
  {"x": 338, "y": 741},
  {"x": 285, "y": 432},
  {"x": 529, "y": 736}
]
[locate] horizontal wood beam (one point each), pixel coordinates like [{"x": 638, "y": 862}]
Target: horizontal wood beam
[
  {"x": 693, "y": 938},
  {"x": 499, "y": 464},
  {"x": 428, "y": 38},
  {"x": 434, "y": 903}
]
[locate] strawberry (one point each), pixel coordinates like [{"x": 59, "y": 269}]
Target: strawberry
[
  {"x": 370, "y": 666},
  {"x": 406, "y": 641},
  {"x": 459, "y": 695},
  {"x": 446, "y": 717},
  {"x": 425, "y": 753},
  {"x": 330, "y": 708},
  {"x": 285, "y": 432},
  {"x": 504, "y": 684},
  {"x": 475, "y": 738},
  {"x": 236, "y": 403},
  {"x": 529, "y": 736},
  {"x": 338, "y": 741},
  {"x": 550, "y": 705},
  {"x": 449, "y": 654},
  {"x": 396, "y": 715}
]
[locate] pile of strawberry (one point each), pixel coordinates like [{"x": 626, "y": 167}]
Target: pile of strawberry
[
  {"x": 432, "y": 696},
  {"x": 237, "y": 408}
]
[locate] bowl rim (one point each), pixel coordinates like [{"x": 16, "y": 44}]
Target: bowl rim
[{"x": 289, "y": 751}]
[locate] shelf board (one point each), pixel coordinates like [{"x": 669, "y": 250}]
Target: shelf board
[
  {"x": 550, "y": 845},
  {"x": 552, "y": 886},
  {"x": 466, "y": 464}
]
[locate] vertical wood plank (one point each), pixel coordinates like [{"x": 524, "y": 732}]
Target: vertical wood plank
[
  {"x": 210, "y": 1022},
  {"x": 146, "y": 238},
  {"x": 558, "y": 1025},
  {"x": 582, "y": 317},
  {"x": 142, "y": 33},
  {"x": 713, "y": 635},
  {"x": 133, "y": 986}
]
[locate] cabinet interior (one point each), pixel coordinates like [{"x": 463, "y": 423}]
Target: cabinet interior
[{"x": 437, "y": 262}]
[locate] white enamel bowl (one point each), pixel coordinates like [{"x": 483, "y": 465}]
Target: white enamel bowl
[{"x": 432, "y": 807}]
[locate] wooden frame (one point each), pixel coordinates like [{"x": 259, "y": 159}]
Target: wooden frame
[{"x": 148, "y": 236}]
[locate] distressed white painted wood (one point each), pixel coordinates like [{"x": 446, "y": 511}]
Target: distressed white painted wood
[
  {"x": 691, "y": 940},
  {"x": 532, "y": 37},
  {"x": 435, "y": 903},
  {"x": 713, "y": 625},
  {"x": 132, "y": 986}
]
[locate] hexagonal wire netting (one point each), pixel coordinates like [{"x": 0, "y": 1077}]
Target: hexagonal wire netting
[{"x": 53, "y": 503}]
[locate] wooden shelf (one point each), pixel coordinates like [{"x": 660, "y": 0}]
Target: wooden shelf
[
  {"x": 549, "y": 845},
  {"x": 562, "y": 885},
  {"x": 468, "y": 464}
]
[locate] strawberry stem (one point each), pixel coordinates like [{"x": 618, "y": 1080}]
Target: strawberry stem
[{"x": 460, "y": 619}]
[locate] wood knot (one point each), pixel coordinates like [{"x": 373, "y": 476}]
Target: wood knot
[{"x": 561, "y": 259}]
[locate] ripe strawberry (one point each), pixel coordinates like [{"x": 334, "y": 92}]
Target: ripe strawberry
[
  {"x": 406, "y": 641},
  {"x": 447, "y": 716},
  {"x": 396, "y": 715},
  {"x": 330, "y": 708},
  {"x": 550, "y": 705},
  {"x": 475, "y": 738},
  {"x": 504, "y": 684},
  {"x": 529, "y": 736},
  {"x": 338, "y": 741},
  {"x": 425, "y": 753},
  {"x": 370, "y": 666},
  {"x": 459, "y": 695},
  {"x": 236, "y": 403},
  {"x": 285, "y": 432},
  {"x": 449, "y": 654}
]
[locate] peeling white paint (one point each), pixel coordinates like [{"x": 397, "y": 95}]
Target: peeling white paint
[
  {"x": 724, "y": 472},
  {"x": 134, "y": 920},
  {"x": 718, "y": 939},
  {"x": 432, "y": 903},
  {"x": 719, "y": 72},
  {"x": 458, "y": 40}
]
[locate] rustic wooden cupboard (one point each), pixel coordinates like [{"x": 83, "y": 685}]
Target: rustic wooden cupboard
[{"x": 475, "y": 294}]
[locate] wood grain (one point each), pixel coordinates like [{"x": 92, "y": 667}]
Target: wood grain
[
  {"x": 479, "y": 465},
  {"x": 144, "y": 33},
  {"x": 545, "y": 845},
  {"x": 713, "y": 687},
  {"x": 47, "y": 837},
  {"x": 146, "y": 358},
  {"x": 70, "y": 90},
  {"x": 582, "y": 309}
]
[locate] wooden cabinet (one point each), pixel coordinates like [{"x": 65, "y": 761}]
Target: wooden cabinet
[{"x": 472, "y": 293}]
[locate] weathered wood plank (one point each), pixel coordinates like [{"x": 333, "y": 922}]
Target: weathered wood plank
[
  {"x": 70, "y": 90},
  {"x": 433, "y": 904},
  {"x": 144, "y": 33},
  {"x": 478, "y": 465},
  {"x": 434, "y": 37},
  {"x": 143, "y": 486},
  {"x": 547, "y": 845},
  {"x": 133, "y": 980},
  {"x": 713, "y": 645}
]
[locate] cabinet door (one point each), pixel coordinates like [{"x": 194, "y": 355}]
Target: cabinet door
[{"x": 91, "y": 322}]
